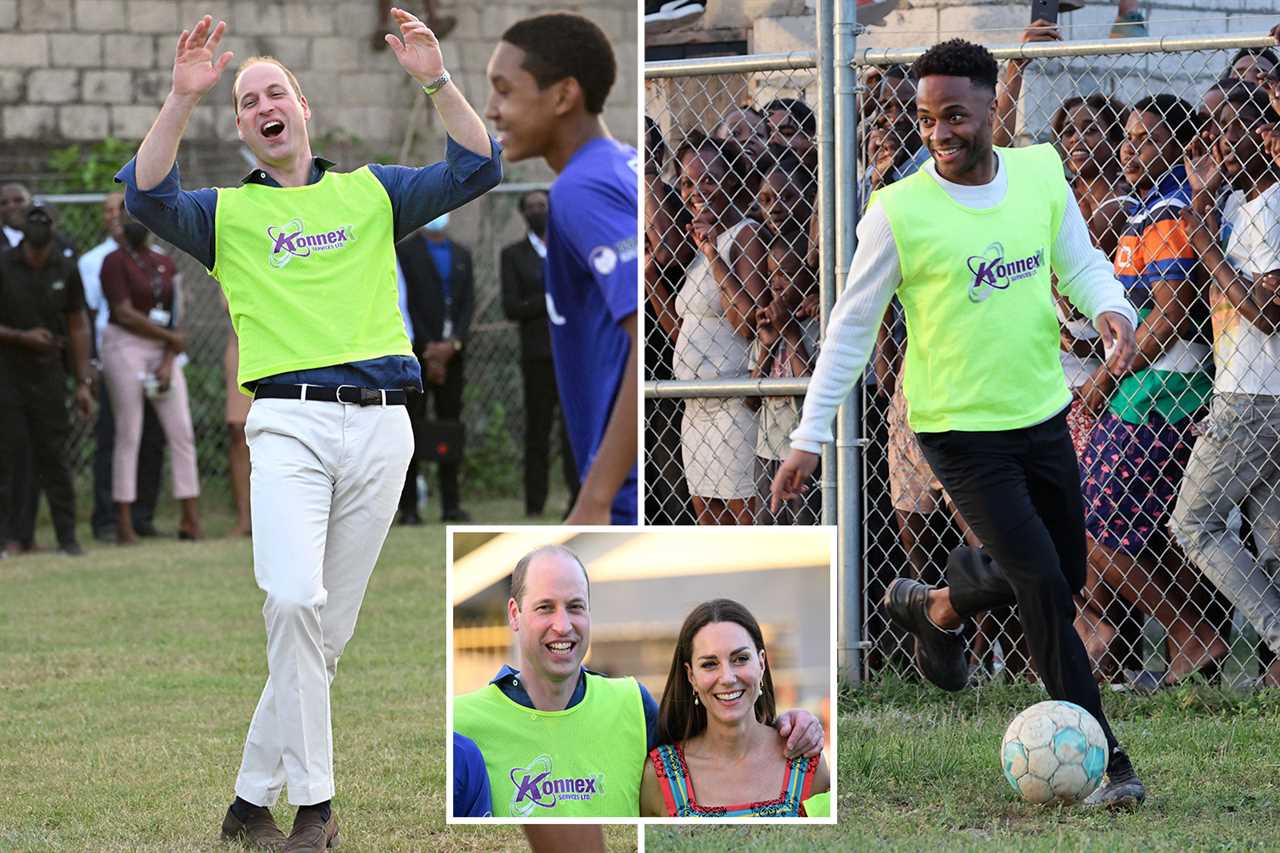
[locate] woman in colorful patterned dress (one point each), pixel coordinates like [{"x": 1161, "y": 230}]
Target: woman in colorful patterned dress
[{"x": 715, "y": 723}]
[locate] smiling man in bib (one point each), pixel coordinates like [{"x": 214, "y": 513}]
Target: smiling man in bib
[
  {"x": 306, "y": 258},
  {"x": 968, "y": 244}
]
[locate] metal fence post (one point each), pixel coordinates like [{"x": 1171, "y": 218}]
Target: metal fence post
[
  {"x": 827, "y": 283},
  {"x": 848, "y": 419}
]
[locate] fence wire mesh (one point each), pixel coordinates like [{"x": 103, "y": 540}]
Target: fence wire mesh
[
  {"x": 493, "y": 401},
  {"x": 1170, "y": 155}
]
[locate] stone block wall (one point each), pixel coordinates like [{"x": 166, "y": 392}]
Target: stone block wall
[{"x": 80, "y": 70}]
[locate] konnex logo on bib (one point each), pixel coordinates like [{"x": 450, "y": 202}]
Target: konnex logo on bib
[
  {"x": 291, "y": 240},
  {"x": 992, "y": 272},
  {"x": 536, "y": 787}
]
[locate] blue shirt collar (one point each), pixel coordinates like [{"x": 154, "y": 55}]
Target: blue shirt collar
[
  {"x": 1173, "y": 184},
  {"x": 319, "y": 166},
  {"x": 508, "y": 681}
]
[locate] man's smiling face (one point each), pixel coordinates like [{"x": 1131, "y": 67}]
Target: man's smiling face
[
  {"x": 552, "y": 620},
  {"x": 271, "y": 117}
]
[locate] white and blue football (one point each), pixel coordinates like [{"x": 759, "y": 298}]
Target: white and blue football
[{"x": 1054, "y": 752}]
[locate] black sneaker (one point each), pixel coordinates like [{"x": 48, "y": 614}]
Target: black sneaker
[
  {"x": 1121, "y": 789},
  {"x": 662, "y": 17},
  {"x": 71, "y": 549},
  {"x": 939, "y": 654}
]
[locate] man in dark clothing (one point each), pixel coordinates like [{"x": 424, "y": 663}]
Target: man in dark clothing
[
  {"x": 441, "y": 297},
  {"x": 524, "y": 300},
  {"x": 42, "y": 320}
]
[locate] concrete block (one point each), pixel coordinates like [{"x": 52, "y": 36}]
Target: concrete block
[
  {"x": 24, "y": 51},
  {"x": 151, "y": 87},
  {"x": 374, "y": 89},
  {"x": 107, "y": 87},
  {"x": 12, "y": 87},
  {"x": 154, "y": 16},
  {"x": 293, "y": 52},
  {"x": 257, "y": 17},
  {"x": 338, "y": 53},
  {"x": 101, "y": 16},
  {"x": 993, "y": 25},
  {"x": 8, "y": 15},
  {"x": 52, "y": 86},
  {"x": 191, "y": 11},
  {"x": 778, "y": 35},
  {"x": 127, "y": 50},
  {"x": 44, "y": 15},
  {"x": 1253, "y": 22},
  {"x": 27, "y": 122},
  {"x": 84, "y": 122},
  {"x": 907, "y": 27},
  {"x": 75, "y": 50},
  {"x": 308, "y": 19},
  {"x": 131, "y": 122}
]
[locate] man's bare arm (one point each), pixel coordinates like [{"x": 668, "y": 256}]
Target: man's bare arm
[
  {"x": 419, "y": 55},
  {"x": 194, "y": 74}
]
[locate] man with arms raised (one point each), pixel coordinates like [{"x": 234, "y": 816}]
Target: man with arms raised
[{"x": 306, "y": 259}]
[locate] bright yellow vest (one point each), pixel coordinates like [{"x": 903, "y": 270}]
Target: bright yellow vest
[
  {"x": 309, "y": 273},
  {"x": 584, "y": 761},
  {"x": 982, "y": 332}
]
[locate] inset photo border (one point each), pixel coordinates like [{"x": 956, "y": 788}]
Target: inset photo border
[{"x": 606, "y": 675}]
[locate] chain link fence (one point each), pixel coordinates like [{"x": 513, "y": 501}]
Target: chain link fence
[
  {"x": 1180, "y": 469},
  {"x": 493, "y": 409}
]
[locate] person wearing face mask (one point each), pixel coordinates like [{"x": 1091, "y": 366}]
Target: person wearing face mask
[
  {"x": 969, "y": 245},
  {"x": 718, "y": 710},
  {"x": 557, "y": 722},
  {"x": 43, "y": 326},
  {"x": 139, "y": 350},
  {"x": 440, "y": 293},
  {"x": 524, "y": 300}
]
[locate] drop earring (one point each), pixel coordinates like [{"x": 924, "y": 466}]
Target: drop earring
[{"x": 695, "y": 698}]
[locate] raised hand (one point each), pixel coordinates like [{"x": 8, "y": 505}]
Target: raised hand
[
  {"x": 419, "y": 52},
  {"x": 1204, "y": 173},
  {"x": 194, "y": 70}
]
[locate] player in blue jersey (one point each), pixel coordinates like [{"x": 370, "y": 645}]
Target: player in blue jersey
[{"x": 550, "y": 76}]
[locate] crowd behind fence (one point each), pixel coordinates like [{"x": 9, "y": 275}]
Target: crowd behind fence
[
  {"x": 493, "y": 411},
  {"x": 1170, "y": 157}
]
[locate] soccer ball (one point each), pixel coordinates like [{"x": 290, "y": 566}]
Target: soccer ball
[{"x": 1054, "y": 751}]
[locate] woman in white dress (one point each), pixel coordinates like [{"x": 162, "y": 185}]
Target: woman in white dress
[{"x": 717, "y": 307}]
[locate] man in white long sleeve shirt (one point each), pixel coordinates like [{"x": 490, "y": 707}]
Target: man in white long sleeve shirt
[{"x": 967, "y": 245}]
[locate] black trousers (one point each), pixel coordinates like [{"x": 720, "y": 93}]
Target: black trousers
[
  {"x": 35, "y": 423},
  {"x": 541, "y": 404},
  {"x": 446, "y": 402},
  {"x": 1020, "y": 492},
  {"x": 150, "y": 466}
]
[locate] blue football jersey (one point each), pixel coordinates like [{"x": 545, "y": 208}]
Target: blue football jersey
[{"x": 592, "y": 281}]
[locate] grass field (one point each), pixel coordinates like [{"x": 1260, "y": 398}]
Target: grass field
[
  {"x": 919, "y": 770},
  {"x": 127, "y": 678}
]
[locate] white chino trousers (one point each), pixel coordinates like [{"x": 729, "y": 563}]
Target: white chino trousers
[{"x": 326, "y": 480}]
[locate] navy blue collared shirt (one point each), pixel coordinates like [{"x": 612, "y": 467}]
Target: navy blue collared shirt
[
  {"x": 185, "y": 218},
  {"x": 509, "y": 683}
]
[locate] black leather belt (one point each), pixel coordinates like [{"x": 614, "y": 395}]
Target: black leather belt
[{"x": 349, "y": 394}]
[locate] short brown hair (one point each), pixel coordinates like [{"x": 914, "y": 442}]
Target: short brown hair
[
  {"x": 522, "y": 569},
  {"x": 256, "y": 60}
]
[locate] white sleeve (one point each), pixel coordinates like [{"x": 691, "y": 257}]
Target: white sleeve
[
  {"x": 1085, "y": 276},
  {"x": 874, "y": 275},
  {"x": 90, "y": 280}
]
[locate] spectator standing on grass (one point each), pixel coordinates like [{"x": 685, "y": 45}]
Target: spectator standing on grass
[
  {"x": 1236, "y": 459},
  {"x": 151, "y": 448},
  {"x": 792, "y": 127},
  {"x": 441, "y": 295},
  {"x": 524, "y": 300},
  {"x": 990, "y": 409},
  {"x": 140, "y": 348},
  {"x": 236, "y": 414},
  {"x": 42, "y": 327},
  {"x": 1141, "y": 440},
  {"x": 323, "y": 349},
  {"x": 717, "y": 309}
]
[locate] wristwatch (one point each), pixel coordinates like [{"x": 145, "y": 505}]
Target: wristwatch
[{"x": 437, "y": 84}]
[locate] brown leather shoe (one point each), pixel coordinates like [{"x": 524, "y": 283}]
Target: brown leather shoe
[
  {"x": 310, "y": 835},
  {"x": 260, "y": 831}
]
